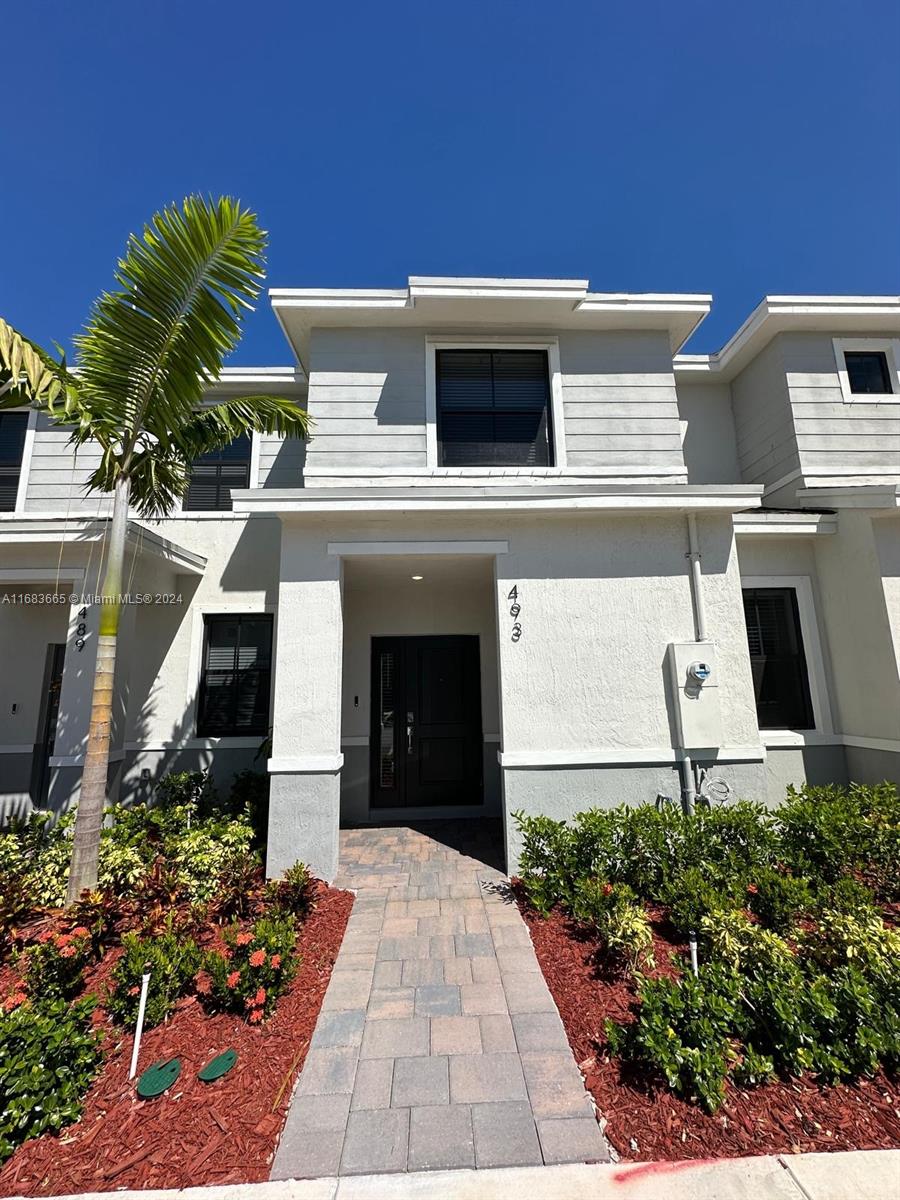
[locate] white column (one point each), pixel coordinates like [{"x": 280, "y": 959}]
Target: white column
[
  {"x": 305, "y": 767},
  {"x": 77, "y": 685}
]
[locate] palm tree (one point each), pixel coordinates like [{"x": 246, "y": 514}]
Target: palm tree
[{"x": 146, "y": 356}]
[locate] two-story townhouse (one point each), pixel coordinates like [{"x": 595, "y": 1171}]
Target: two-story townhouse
[{"x": 532, "y": 558}]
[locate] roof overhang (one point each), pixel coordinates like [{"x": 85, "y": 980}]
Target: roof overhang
[
  {"x": 781, "y": 314},
  {"x": 497, "y": 305},
  {"x": 872, "y": 496},
  {"x": 362, "y": 502},
  {"x": 239, "y": 381},
  {"x": 37, "y": 531},
  {"x": 763, "y": 523}
]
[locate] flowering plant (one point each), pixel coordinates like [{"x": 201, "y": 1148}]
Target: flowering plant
[
  {"x": 255, "y": 967},
  {"x": 53, "y": 967}
]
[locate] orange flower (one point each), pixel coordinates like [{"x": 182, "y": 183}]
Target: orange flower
[
  {"x": 257, "y": 958},
  {"x": 260, "y": 997},
  {"x": 233, "y": 979},
  {"x": 752, "y": 889},
  {"x": 67, "y": 952},
  {"x": 607, "y": 889},
  {"x": 14, "y": 1001},
  {"x": 46, "y": 935},
  {"x": 256, "y": 1016},
  {"x": 244, "y": 939},
  {"x": 80, "y": 931},
  {"x": 133, "y": 991},
  {"x": 275, "y": 960},
  {"x": 63, "y": 939}
]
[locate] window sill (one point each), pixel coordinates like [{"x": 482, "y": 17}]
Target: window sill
[{"x": 773, "y": 738}]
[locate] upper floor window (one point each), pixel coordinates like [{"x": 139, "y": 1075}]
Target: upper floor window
[
  {"x": 867, "y": 371},
  {"x": 868, "y": 368},
  {"x": 777, "y": 659},
  {"x": 12, "y": 447},
  {"x": 213, "y": 476},
  {"x": 236, "y": 678},
  {"x": 493, "y": 408}
]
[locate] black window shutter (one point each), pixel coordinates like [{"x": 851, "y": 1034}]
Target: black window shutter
[
  {"x": 777, "y": 659},
  {"x": 494, "y": 408},
  {"x": 214, "y": 475},
  {"x": 237, "y": 673},
  {"x": 12, "y": 446}
]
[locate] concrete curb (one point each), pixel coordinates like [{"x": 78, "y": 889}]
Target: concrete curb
[{"x": 851, "y": 1175}]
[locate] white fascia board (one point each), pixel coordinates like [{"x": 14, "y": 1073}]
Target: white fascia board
[
  {"x": 775, "y": 314},
  {"x": 422, "y": 286},
  {"x": 363, "y": 501},
  {"x": 339, "y": 297},
  {"x": 780, "y": 524},
  {"x": 859, "y": 496},
  {"x": 85, "y": 530},
  {"x": 185, "y": 561}
]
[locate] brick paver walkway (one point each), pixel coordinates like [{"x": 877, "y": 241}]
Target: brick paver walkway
[{"x": 438, "y": 1044}]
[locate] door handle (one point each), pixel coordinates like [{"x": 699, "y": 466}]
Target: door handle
[{"x": 409, "y": 732}]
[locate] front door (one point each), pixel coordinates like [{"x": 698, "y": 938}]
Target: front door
[
  {"x": 426, "y": 742},
  {"x": 49, "y": 714}
]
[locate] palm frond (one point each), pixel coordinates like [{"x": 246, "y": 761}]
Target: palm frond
[
  {"x": 219, "y": 424},
  {"x": 158, "y": 479},
  {"x": 29, "y": 375},
  {"x": 150, "y": 349}
]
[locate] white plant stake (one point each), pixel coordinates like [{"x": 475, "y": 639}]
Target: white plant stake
[{"x": 145, "y": 983}]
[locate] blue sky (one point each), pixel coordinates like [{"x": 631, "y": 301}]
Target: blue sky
[{"x": 705, "y": 145}]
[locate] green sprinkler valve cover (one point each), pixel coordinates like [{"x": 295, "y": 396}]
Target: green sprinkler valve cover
[
  {"x": 158, "y": 1077},
  {"x": 218, "y": 1066}
]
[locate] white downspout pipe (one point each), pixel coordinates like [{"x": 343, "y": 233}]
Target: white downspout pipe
[{"x": 688, "y": 788}]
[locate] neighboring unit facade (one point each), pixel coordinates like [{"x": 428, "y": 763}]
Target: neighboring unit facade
[{"x": 532, "y": 558}]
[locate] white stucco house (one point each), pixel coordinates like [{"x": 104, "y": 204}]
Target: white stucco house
[{"x": 533, "y": 558}]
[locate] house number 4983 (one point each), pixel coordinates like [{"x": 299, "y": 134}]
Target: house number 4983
[{"x": 514, "y": 609}]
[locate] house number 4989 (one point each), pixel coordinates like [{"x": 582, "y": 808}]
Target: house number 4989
[{"x": 514, "y": 609}]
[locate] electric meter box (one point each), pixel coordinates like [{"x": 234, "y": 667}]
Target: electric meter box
[{"x": 694, "y": 674}]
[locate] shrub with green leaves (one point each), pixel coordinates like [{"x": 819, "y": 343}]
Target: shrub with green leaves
[
  {"x": 546, "y": 866},
  {"x": 53, "y": 966},
  {"x": 294, "y": 892},
  {"x": 779, "y": 898},
  {"x": 690, "y": 896},
  {"x": 49, "y": 1055},
  {"x": 620, "y": 921},
  {"x": 684, "y": 1029},
  {"x": 255, "y": 968},
  {"x": 827, "y": 832},
  {"x": 172, "y": 961}
]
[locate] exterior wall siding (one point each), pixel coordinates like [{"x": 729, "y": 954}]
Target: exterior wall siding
[
  {"x": 766, "y": 442},
  {"x": 58, "y": 475},
  {"x": 837, "y": 442},
  {"x": 620, "y": 404}
]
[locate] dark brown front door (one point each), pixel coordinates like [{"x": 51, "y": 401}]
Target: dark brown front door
[
  {"x": 53, "y": 672},
  {"x": 426, "y": 741}
]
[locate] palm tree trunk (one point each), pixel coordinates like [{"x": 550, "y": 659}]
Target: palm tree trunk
[{"x": 92, "y": 801}]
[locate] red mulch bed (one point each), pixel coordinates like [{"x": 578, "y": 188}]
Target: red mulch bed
[
  {"x": 644, "y": 1120},
  {"x": 198, "y": 1134}
]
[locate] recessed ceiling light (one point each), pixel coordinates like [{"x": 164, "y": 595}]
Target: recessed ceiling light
[{"x": 418, "y": 577}]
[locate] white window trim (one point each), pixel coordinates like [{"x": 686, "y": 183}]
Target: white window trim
[
  {"x": 195, "y": 669},
  {"x": 890, "y": 347},
  {"x": 549, "y": 345},
  {"x": 815, "y": 660}
]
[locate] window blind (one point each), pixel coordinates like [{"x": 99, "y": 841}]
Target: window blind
[{"x": 493, "y": 408}]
